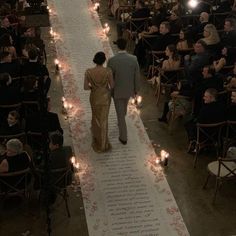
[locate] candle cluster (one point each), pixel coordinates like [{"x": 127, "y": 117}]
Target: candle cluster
[
  {"x": 163, "y": 158},
  {"x": 57, "y": 65},
  {"x": 66, "y": 106},
  {"x": 106, "y": 29},
  {"x": 75, "y": 163},
  {"x": 137, "y": 101},
  {"x": 96, "y": 6}
]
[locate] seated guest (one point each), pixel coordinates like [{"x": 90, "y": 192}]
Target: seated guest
[
  {"x": 59, "y": 155},
  {"x": 160, "y": 13},
  {"x": 12, "y": 125},
  {"x": 212, "y": 39},
  {"x": 34, "y": 67},
  {"x": 6, "y": 28},
  {"x": 15, "y": 159},
  {"x": 194, "y": 64},
  {"x": 231, "y": 111},
  {"x": 231, "y": 79},
  {"x": 228, "y": 37},
  {"x": 175, "y": 22},
  {"x": 164, "y": 38},
  {"x": 43, "y": 121},
  {"x": 184, "y": 43},
  {"x": 197, "y": 31},
  {"x": 223, "y": 6},
  {"x": 141, "y": 11},
  {"x": 168, "y": 70},
  {"x": 209, "y": 80},
  {"x": 8, "y": 66},
  {"x": 6, "y": 45},
  {"x": 211, "y": 112},
  {"x": 226, "y": 59},
  {"x": 59, "y": 158},
  {"x": 30, "y": 91},
  {"x": 8, "y": 94}
]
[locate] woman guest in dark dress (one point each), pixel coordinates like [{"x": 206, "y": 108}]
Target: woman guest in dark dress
[
  {"x": 100, "y": 81},
  {"x": 15, "y": 159}
]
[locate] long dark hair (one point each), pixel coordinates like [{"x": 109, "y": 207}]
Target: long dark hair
[{"x": 173, "y": 49}]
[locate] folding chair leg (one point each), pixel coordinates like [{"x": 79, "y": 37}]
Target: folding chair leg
[
  {"x": 65, "y": 196},
  {"x": 206, "y": 182},
  {"x": 196, "y": 156},
  {"x": 216, "y": 190}
]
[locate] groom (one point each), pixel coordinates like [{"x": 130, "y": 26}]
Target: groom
[{"x": 126, "y": 76}]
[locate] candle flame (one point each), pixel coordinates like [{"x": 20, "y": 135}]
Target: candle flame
[{"x": 72, "y": 160}]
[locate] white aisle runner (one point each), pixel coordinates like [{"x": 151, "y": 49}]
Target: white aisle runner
[{"x": 124, "y": 192}]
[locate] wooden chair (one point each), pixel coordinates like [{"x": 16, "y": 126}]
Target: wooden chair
[
  {"x": 30, "y": 107},
  {"x": 135, "y": 26},
  {"x": 167, "y": 82},
  {"x": 223, "y": 169},
  {"x": 208, "y": 135},
  {"x": 175, "y": 113},
  {"x": 230, "y": 136},
  {"x": 16, "y": 183},
  {"x": 60, "y": 179},
  {"x": 156, "y": 57},
  {"x": 21, "y": 136}
]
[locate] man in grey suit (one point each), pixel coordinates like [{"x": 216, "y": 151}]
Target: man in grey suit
[{"x": 126, "y": 75}]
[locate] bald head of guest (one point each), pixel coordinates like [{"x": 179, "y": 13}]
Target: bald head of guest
[{"x": 204, "y": 17}]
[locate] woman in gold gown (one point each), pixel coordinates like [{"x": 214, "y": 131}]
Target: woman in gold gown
[{"x": 100, "y": 81}]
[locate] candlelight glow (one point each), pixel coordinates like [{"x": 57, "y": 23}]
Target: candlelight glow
[
  {"x": 77, "y": 165},
  {"x": 96, "y": 6},
  {"x": 193, "y": 3},
  {"x": 139, "y": 99},
  {"x": 133, "y": 101},
  {"x": 63, "y": 99},
  {"x": 56, "y": 61},
  {"x": 72, "y": 160},
  {"x": 157, "y": 160}
]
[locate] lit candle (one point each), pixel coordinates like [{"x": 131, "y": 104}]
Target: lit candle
[
  {"x": 63, "y": 99},
  {"x": 51, "y": 31},
  {"x": 139, "y": 99},
  {"x": 76, "y": 165},
  {"x": 106, "y": 25},
  {"x": 72, "y": 160},
  {"x": 96, "y": 6},
  {"x": 65, "y": 105},
  {"x": 163, "y": 153},
  {"x": 157, "y": 161},
  {"x": 70, "y": 106},
  {"x": 56, "y": 61},
  {"x": 133, "y": 101}
]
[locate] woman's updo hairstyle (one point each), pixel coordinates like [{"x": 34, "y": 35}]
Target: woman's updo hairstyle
[{"x": 99, "y": 58}]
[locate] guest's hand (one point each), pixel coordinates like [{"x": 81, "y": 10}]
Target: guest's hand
[{"x": 186, "y": 57}]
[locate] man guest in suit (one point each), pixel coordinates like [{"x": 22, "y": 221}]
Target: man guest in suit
[{"x": 126, "y": 75}]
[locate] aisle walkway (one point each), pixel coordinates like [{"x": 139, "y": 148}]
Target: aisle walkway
[{"x": 124, "y": 192}]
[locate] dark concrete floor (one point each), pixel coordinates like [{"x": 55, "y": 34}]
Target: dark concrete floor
[{"x": 201, "y": 217}]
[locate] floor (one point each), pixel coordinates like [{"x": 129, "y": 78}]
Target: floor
[{"x": 200, "y": 216}]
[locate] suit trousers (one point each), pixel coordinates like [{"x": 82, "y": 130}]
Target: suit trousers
[{"x": 121, "y": 110}]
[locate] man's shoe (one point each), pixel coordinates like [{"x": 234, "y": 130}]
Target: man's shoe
[{"x": 122, "y": 141}]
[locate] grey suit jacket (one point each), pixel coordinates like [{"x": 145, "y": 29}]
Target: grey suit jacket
[{"x": 126, "y": 74}]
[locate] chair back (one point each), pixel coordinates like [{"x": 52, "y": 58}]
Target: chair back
[
  {"x": 30, "y": 107},
  {"x": 230, "y": 136},
  {"x": 21, "y": 136},
  {"x": 15, "y": 183},
  {"x": 137, "y": 25},
  {"x": 209, "y": 132},
  {"x": 226, "y": 168}
]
